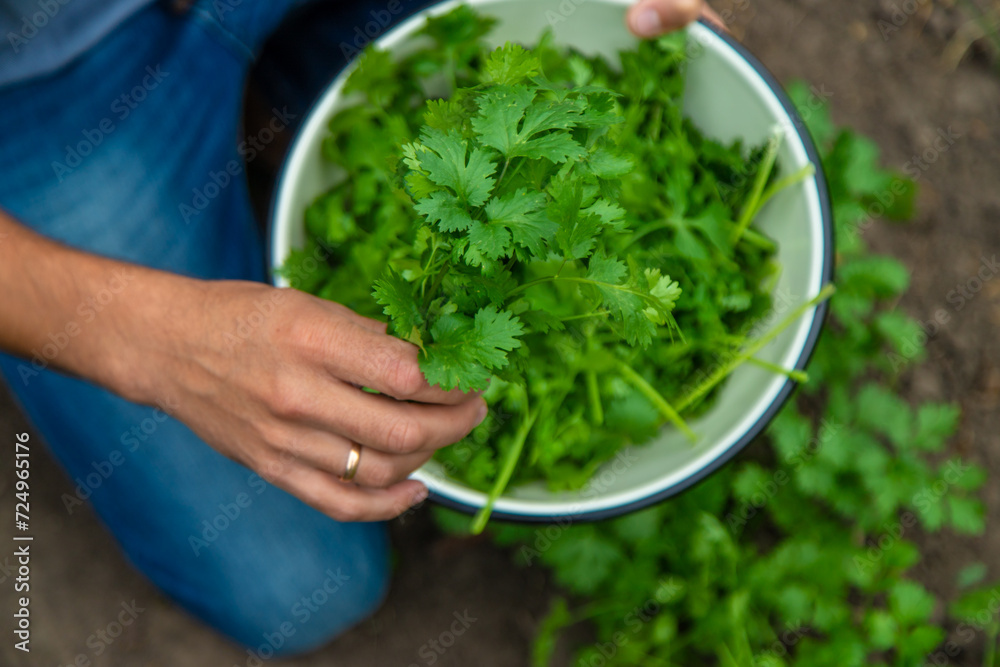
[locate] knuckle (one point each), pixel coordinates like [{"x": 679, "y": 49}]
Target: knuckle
[
  {"x": 285, "y": 400},
  {"x": 348, "y": 510},
  {"x": 380, "y": 476},
  {"x": 402, "y": 374},
  {"x": 308, "y": 335},
  {"x": 405, "y": 436},
  {"x": 271, "y": 466},
  {"x": 284, "y": 405}
]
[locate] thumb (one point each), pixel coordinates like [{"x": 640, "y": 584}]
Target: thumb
[{"x": 652, "y": 18}]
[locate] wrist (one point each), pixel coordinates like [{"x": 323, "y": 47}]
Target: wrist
[
  {"x": 129, "y": 326},
  {"x": 149, "y": 335}
]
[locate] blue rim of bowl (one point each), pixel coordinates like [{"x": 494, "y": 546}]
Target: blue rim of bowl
[{"x": 822, "y": 310}]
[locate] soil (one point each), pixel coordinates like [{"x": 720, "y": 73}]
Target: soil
[{"x": 901, "y": 88}]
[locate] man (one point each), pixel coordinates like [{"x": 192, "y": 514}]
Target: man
[{"x": 170, "y": 381}]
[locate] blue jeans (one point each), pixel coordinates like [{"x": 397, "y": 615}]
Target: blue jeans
[{"x": 125, "y": 154}]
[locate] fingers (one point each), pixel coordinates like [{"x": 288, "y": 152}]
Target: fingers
[
  {"x": 365, "y": 322},
  {"x": 357, "y": 355},
  {"x": 348, "y": 502},
  {"x": 329, "y": 453},
  {"x": 713, "y": 17},
  {"x": 385, "y": 424},
  {"x": 652, "y": 18}
]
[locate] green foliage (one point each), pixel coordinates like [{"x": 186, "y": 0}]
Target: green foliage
[
  {"x": 552, "y": 232},
  {"x": 802, "y": 560},
  {"x": 529, "y": 222}
]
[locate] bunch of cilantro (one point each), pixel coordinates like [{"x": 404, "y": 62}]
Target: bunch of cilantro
[
  {"x": 808, "y": 550},
  {"x": 548, "y": 228}
]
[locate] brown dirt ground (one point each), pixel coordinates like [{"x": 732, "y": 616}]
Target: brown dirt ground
[{"x": 898, "y": 91}]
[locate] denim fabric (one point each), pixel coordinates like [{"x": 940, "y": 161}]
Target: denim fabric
[
  {"x": 110, "y": 154},
  {"x": 40, "y": 36}
]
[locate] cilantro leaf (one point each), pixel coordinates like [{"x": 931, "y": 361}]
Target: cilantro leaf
[
  {"x": 510, "y": 121},
  {"x": 510, "y": 64},
  {"x": 446, "y": 210},
  {"x": 464, "y": 350},
  {"x": 935, "y": 424},
  {"x": 447, "y": 161},
  {"x": 623, "y": 300},
  {"x": 521, "y": 213},
  {"x": 400, "y": 304},
  {"x": 494, "y": 334},
  {"x": 448, "y": 361}
]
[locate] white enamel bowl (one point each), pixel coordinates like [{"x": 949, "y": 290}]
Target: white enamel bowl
[{"x": 729, "y": 95}]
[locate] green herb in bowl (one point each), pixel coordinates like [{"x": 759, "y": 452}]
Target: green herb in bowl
[{"x": 547, "y": 228}]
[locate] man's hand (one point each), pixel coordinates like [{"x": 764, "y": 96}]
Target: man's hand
[
  {"x": 652, "y": 18},
  {"x": 270, "y": 378}
]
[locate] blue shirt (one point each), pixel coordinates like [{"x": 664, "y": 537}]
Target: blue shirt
[{"x": 41, "y": 36}]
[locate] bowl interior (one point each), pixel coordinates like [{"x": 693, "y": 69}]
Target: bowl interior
[{"x": 728, "y": 99}]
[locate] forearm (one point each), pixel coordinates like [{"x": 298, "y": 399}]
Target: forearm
[{"x": 76, "y": 312}]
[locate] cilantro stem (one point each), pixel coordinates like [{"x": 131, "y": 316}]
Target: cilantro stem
[
  {"x": 990, "y": 656},
  {"x": 646, "y": 231},
  {"x": 594, "y": 394},
  {"x": 430, "y": 263},
  {"x": 586, "y": 281},
  {"x": 799, "y": 376},
  {"x": 754, "y": 237},
  {"x": 788, "y": 181},
  {"x": 657, "y": 400},
  {"x": 763, "y": 174},
  {"x": 524, "y": 287},
  {"x": 509, "y": 463},
  {"x": 503, "y": 173},
  {"x": 726, "y": 370},
  {"x": 596, "y": 313},
  {"x": 451, "y": 68},
  {"x": 438, "y": 279}
]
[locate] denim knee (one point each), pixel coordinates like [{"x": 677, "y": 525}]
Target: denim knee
[{"x": 278, "y": 605}]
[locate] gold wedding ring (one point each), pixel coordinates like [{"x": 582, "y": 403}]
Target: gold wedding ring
[{"x": 353, "y": 459}]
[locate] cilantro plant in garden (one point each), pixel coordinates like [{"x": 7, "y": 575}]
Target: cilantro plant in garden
[
  {"x": 801, "y": 553},
  {"x": 549, "y": 229}
]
